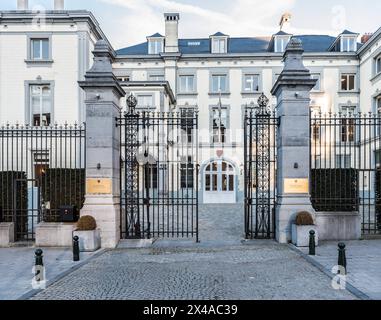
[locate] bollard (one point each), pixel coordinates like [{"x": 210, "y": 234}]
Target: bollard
[
  {"x": 39, "y": 264},
  {"x": 312, "y": 245},
  {"x": 342, "y": 260},
  {"x": 75, "y": 248}
]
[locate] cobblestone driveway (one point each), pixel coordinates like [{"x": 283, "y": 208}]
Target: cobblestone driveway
[{"x": 262, "y": 270}]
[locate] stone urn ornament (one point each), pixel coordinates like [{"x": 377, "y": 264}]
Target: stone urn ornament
[
  {"x": 304, "y": 223},
  {"x": 88, "y": 234}
]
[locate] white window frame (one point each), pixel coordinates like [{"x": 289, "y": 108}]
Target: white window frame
[
  {"x": 378, "y": 104},
  {"x": 41, "y": 96},
  {"x": 347, "y": 75},
  {"x": 156, "y": 77},
  {"x": 350, "y": 44},
  {"x": 218, "y": 135},
  {"x": 280, "y": 43},
  {"x": 188, "y": 88},
  {"x": 219, "y": 45},
  {"x": 217, "y": 90},
  {"x": 41, "y": 57},
  {"x": 317, "y": 87},
  {"x": 155, "y": 46},
  {"x": 378, "y": 65},
  {"x": 148, "y": 96},
  {"x": 251, "y": 87}
]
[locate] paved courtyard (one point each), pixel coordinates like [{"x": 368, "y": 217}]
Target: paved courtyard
[
  {"x": 363, "y": 263},
  {"x": 261, "y": 270}
]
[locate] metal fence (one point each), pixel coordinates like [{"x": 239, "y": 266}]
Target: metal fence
[
  {"x": 41, "y": 170},
  {"x": 346, "y": 164}
]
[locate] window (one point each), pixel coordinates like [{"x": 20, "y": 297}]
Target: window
[
  {"x": 316, "y": 76},
  {"x": 155, "y": 46},
  {"x": 348, "y": 44},
  {"x": 251, "y": 83},
  {"x": 187, "y": 170},
  {"x": 219, "y": 83},
  {"x": 378, "y": 64},
  {"x": 219, "y": 123},
  {"x": 145, "y": 101},
  {"x": 151, "y": 176},
  {"x": 39, "y": 49},
  {"x": 348, "y": 124},
  {"x": 377, "y": 154},
  {"x": 219, "y": 45},
  {"x": 378, "y": 105},
  {"x": 211, "y": 177},
  {"x": 124, "y": 79},
  {"x": 280, "y": 44},
  {"x": 186, "y": 84},
  {"x": 41, "y": 105},
  {"x": 156, "y": 77},
  {"x": 348, "y": 82},
  {"x": 187, "y": 124},
  {"x": 343, "y": 161}
]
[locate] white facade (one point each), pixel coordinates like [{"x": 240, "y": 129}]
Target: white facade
[
  {"x": 173, "y": 79},
  {"x": 49, "y": 51}
]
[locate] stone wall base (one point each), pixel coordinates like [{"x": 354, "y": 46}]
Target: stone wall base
[
  {"x": 7, "y": 234},
  {"x": 54, "y": 234},
  {"x": 339, "y": 225}
]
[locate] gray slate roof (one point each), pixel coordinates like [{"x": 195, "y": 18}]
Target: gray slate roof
[{"x": 311, "y": 43}]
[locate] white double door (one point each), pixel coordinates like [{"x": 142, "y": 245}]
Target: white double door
[{"x": 219, "y": 183}]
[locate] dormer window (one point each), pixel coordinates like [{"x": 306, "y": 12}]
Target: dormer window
[
  {"x": 348, "y": 44},
  {"x": 219, "y": 43},
  {"x": 345, "y": 42},
  {"x": 155, "y": 44},
  {"x": 280, "y": 43}
]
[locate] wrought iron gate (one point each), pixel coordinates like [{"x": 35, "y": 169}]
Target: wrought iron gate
[
  {"x": 159, "y": 173},
  {"x": 260, "y": 128}
]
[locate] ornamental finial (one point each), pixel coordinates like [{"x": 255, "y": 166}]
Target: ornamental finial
[
  {"x": 131, "y": 103},
  {"x": 263, "y": 101}
]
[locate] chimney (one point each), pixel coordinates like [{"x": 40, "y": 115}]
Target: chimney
[
  {"x": 366, "y": 37},
  {"x": 59, "y": 4},
  {"x": 22, "y": 4},
  {"x": 285, "y": 22},
  {"x": 171, "y": 32}
]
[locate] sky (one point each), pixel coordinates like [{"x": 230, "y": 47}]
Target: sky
[{"x": 128, "y": 22}]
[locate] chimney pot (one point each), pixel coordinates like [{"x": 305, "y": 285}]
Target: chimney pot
[
  {"x": 22, "y": 4},
  {"x": 366, "y": 37},
  {"x": 171, "y": 32},
  {"x": 59, "y": 4}
]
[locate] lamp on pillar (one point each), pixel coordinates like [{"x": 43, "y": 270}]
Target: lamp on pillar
[{"x": 131, "y": 104}]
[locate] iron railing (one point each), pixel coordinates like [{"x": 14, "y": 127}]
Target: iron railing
[
  {"x": 346, "y": 164},
  {"x": 41, "y": 170}
]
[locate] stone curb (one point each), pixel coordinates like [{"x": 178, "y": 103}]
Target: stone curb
[
  {"x": 349, "y": 287},
  {"x": 33, "y": 292}
]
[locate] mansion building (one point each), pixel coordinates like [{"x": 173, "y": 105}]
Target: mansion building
[{"x": 43, "y": 55}]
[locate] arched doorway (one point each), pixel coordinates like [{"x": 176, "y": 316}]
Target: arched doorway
[{"x": 219, "y": 182}]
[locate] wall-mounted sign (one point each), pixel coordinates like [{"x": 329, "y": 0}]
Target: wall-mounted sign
[
  {"x": 296, "y": 186},
  {"x": 99, "y": 186}
]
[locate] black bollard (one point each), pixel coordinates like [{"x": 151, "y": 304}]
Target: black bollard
[
  {"x": 39, "y": 264},
  {"x": 312, "y": 246},
  {"x": 342, "y": 260},
  {"x": 75, "y": 248}
]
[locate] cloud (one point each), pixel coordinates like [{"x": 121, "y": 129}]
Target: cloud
[{"x": 140, "y": 18}]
